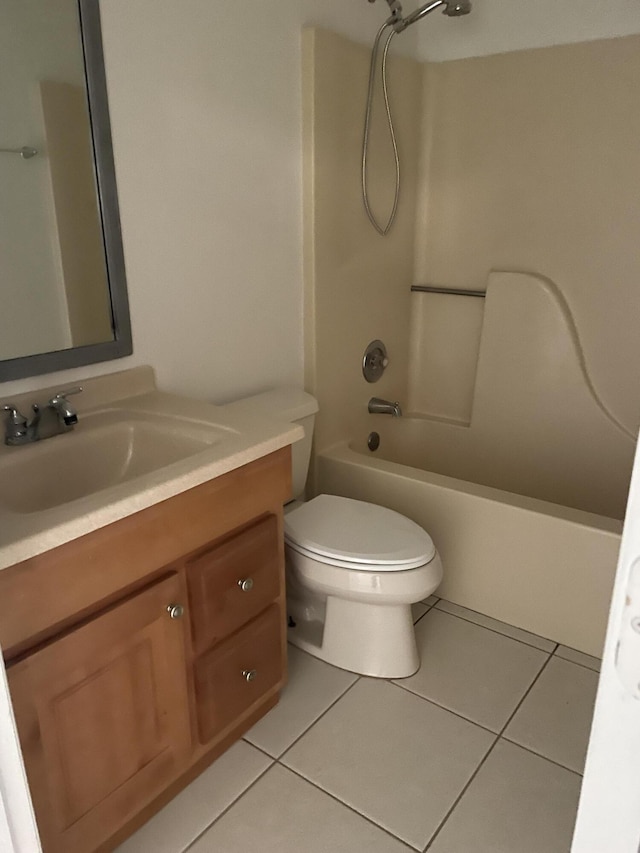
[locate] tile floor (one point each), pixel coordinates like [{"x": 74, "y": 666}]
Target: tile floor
[{"x": 481, "y": 750}]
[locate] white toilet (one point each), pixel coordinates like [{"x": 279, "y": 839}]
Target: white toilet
[{"x": 353, "y": 568}]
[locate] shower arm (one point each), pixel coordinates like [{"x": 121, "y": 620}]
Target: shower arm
[
  {"x": 397, "y": 19},
  {"x": 400, "y": 23}
]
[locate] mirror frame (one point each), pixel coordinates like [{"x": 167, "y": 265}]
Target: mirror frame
[{"x": 107, "y": 195}]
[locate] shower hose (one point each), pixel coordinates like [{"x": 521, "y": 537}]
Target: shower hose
[{"x": 381, "y": 229}]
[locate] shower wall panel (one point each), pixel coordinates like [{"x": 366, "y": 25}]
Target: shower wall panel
[
  {"x": 357, "y": 283},
  {"x": 530, "y": 162}
]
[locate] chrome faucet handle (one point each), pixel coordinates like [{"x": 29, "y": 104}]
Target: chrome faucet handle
[
  {"x": 61, "y": 395},
  {"x": 35, "y": 420},
  {"x": 64, "y": 409},
  {"x": 15, "y": 416},
  {"x": 17, "y": 429}
]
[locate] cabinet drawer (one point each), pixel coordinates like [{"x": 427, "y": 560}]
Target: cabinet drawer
[
  {"x": 234, "y": 675},
  {"x": 233, "y": 582}
]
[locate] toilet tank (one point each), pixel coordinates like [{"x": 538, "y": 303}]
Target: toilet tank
[{"x": 292, "y": 405}]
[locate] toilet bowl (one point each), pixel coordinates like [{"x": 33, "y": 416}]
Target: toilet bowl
[{"x": 353, "y": 571}]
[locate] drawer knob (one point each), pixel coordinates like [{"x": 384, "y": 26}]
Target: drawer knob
[
  {"x": 246, "y": 584},
  {"x": 249, "y": 674},
  {"x": 175, "y": 611}
]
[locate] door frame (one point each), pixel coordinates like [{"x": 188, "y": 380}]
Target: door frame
[{"x": 18, "y": 829}]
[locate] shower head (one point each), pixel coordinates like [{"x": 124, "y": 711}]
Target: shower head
[{"x": 451, "y": 9}]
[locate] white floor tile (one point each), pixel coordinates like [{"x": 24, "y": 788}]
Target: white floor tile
[
  {"x": 312, "y": 687},
  {"x": 433, "y": 599},
  {"x": 518, "y": 803},
  {"x": 284, "y": 814},
  {"x": 392, "y": 756},
  {"x": 555, "y": 718},
  {"x": 471, "y": 670},
  {"x": 579, "y": 657},
  {"x": 495, "y": 625},
  {"x": 195, "y": 808}
]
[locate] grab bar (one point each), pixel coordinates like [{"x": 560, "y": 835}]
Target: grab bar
[
  {"x": 26, "y": 152},
  {"x": 452, "y": 291}
]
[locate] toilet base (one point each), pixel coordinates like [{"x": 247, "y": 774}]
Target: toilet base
[{"x": 377, "y": 640}]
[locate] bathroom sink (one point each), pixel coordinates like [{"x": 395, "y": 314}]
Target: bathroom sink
[{"x": 105, "y": 449}]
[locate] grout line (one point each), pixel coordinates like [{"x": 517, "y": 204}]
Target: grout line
[
  {"x": 349, "y": 806},
  {"x": 272, "y": 760},
  {"x": 317, "y": 720},
  {"x": 444, "y": 708},
  {"x": 495, "y": 631},
  {"x": 491, "y": 748},
  {"x": 460, "y": 795},
  {"x": 260, "y": 749},
  {"x": 575, "y": 662},
  {"x": 526, "y": 693},
  {"x": 231, "y": 804},
  {"x": 429, "y": 609},
  {"x": 498, "y": 736},
  {"x": 540, "y": 755}
]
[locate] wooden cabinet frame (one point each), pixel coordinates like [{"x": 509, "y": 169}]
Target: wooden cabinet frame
[{"x": 105, "y": 603}]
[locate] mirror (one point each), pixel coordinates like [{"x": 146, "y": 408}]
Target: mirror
[{"x": 63, "y": 297}]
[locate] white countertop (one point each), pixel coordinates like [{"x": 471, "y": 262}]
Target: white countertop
[{"x": 26, "y": 534}]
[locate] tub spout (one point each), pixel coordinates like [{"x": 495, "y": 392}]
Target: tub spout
[{"x": 384, "y": 407}]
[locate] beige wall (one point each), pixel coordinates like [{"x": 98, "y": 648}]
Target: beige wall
[
  {"x": 530, "y": 162},
  {"x": 357, "y": 281}
]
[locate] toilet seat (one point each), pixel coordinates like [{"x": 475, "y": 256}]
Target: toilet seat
[{"x": 357, "y": 535}]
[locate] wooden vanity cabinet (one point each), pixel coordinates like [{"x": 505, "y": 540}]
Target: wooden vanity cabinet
[{"x": 123, "y": 704}]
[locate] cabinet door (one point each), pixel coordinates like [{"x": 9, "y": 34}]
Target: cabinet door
[
  {"x": 103, "y": 718},
  {"x": 234, "y": 581}
]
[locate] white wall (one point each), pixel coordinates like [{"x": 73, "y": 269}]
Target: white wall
[
  {"x": 206, "y": 112},
  {"x": 500, "y": 26}
]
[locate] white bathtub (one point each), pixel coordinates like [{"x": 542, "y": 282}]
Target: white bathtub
[{"x": 540, "y": 566}]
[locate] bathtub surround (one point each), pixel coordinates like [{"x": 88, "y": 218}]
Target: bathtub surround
[
  {"x": 526, "y": 163},
  {"x": 530, "y": 163},
  {"x": 512, "y": 173},
  {"x": 536, "y": 425}
]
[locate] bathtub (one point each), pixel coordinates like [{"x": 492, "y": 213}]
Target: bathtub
[{"x": 535, "y": 564}]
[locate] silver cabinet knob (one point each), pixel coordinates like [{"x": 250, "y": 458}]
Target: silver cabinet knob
[
  {"x": 175, "y": 611},
  {"x": 246, "y": 584},
  {"x": 249, "y": 674}
]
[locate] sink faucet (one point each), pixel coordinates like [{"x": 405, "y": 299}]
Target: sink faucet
[
  {"x": 65, "y": 411},
  {"x": 378, "y": 406},
  {"x": 18, "y": 429}
]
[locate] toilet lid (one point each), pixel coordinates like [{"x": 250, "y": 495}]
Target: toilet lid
[{"x": 358, "y": 532}]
